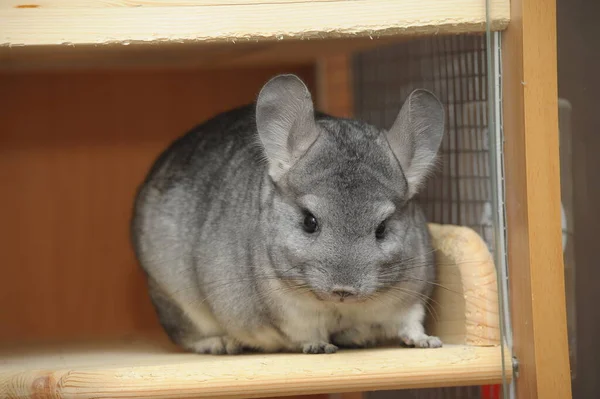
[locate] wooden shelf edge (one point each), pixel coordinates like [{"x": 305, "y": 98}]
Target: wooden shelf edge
[
  {"x": 246, "y": 21},
  {"x": 152, "y": 370},
  {"x": 84, "y": 34}
]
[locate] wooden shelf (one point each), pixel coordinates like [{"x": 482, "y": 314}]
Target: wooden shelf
[
  {"x": 152, "y": 369},
  {"x": 122, "y": 33},
  {"x": 464, "y": 316}
]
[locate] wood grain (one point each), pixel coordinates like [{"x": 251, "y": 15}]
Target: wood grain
[
  {"x": 157, "y": 369},
  {"x": 536, "y": 274},
  {"x": 189, "y": 56},
  {"x": 67, "y": 4},
  {"x": 464, "y": 309},
  {"x": 334, "y": 85},
  {"x": 73, "y": 148},
  {"x": 76, "y": 26},
  {"x": 151, "y": 369},
  {"x": 84, "y": 34}
]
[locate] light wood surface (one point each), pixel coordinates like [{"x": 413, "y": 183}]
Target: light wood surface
[
  {"x": 73, "y": 148},
  {"x": 133, "y": 3},
  {"x": 79, "y": 33},
  {"x": 156, "y": 369},
  {"x": 464, "y": 309},
  {"x": 334, "y": 85},
  {"x": 536, "y": 274},
  {"x": 71, "y": 22},
  {"x": 150, "y": 370}
]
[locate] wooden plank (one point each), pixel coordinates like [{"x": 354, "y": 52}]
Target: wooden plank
[
  {"x": 133, "y": 3},
  {"x": 536, "y": 273},
  {"x": 64, "y": 26},
  {"x": 188, "y": 56},
  {"x": 351, "y": 395},
  {"x": 465, "y": 309},
  {"x": 151, "y": 369},
  {"x": 157, "y": 369},
  {"x": 334, "y": 85},
  {"x": 86, "y": 34},
  {"x": 74, "y": 147}
]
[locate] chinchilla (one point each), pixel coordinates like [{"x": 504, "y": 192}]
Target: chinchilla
[{"x": 272, "y": 227}]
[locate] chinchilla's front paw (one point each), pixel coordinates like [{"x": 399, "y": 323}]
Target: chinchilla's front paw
[
  {"x": 216, "y": 346},
  {"x": 319, "y": 347},
  {"x": 421, "y": 341}
]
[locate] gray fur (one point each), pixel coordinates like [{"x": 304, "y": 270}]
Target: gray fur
[{"x": 218, "y": 228}]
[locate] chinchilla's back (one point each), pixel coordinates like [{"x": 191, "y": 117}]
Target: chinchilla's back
[
  {"x": 207, "y": 153},
  {"x": 200, "y": 200}
]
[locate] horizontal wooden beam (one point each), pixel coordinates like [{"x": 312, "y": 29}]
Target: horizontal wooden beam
[
  {"x": 150, "y": 370},
  {"x": 78, "y": 22},
  {"x": 68, "y": 31}
]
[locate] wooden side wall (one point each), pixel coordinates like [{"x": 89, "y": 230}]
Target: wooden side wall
[{"x": 73, "y": 148}]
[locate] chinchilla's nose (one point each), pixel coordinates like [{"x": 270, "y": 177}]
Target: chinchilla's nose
[{"x": 343, "y": 292}]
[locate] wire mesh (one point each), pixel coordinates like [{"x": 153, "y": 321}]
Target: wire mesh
[{"x": 455, "y": 69}]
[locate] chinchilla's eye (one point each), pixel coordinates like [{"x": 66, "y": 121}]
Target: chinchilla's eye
[
  {"x": 310, "y": 223},
  {"x": 380, "y": 231}
]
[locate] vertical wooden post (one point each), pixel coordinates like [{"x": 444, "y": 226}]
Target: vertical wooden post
[
  {"x": 536, "y": 273},
  {"x": 334, "y": 85}
]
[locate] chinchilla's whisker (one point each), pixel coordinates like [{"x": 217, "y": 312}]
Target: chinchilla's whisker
[
  {"x": 408, "y": 278},
  {"x": 424, "y": 299}
]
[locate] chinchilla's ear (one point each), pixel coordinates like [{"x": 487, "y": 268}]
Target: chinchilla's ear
[
  {"x": 285, "y": 121},
  {"x": 416, "y": 136}
]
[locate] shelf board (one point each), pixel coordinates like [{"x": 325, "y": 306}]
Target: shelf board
[
  {"x": 464, "y": 315},
  {"x": 155, "y": 369},
  {"x": 60, "y": 33}
]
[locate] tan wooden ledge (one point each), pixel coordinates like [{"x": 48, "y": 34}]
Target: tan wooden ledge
[
  {"x": 464, "y": 315},
  {"x": 121, "y": 33}
]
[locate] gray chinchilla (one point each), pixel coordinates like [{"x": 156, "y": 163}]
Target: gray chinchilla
[{"x": 275, "y": 228}]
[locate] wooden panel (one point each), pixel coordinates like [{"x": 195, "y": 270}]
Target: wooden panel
[
  {"x": 68, "y": 33},
  {"x": 154, "y": 368},
  {"x": 73, "y": 148},
  {"x": 237, "y": 22},
  {"x": 465, "y": 311},
  {"x": 150, "y": 369},
  {"x": 536, "y": 274},
  {"x": 133, "y": 3},
  {"x": 180, "y": 55},
  {"x": 334, "y": 85}
]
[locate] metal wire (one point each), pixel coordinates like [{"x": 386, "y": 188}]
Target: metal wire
[{"x": 455, "y": 69}]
